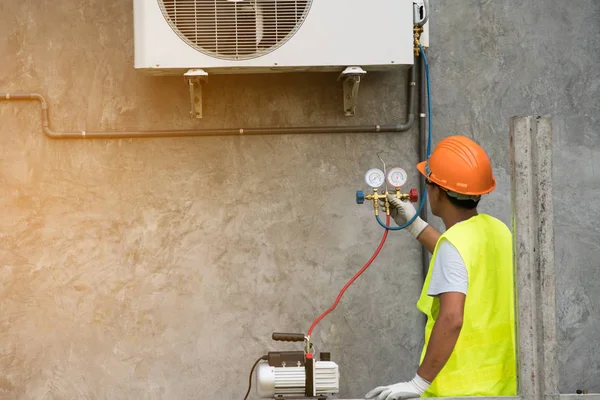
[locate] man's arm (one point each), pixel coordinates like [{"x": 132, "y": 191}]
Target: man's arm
[
  {"x": 429, "y": 238},
  {"x": 444, "y": 335}
]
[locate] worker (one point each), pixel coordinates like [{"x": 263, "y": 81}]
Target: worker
[{"x": 468, "y": 293}]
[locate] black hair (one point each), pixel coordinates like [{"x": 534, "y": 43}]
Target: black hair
[{"x": 466, "y": 204}]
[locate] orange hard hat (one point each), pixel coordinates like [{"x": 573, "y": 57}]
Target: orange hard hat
[{"x": 459, "y": 165}]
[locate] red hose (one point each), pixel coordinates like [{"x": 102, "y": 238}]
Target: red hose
[{"x": 359, "y": 273}]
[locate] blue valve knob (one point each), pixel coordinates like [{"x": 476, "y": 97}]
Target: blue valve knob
[{"x": 360, "y": 197}]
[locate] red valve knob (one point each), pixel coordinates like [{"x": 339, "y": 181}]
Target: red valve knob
[{"x": 413, "y": 195}]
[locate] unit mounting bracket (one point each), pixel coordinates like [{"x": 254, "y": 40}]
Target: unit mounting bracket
[
  {"x": 350, "y": 78},
  {"x": 195, "y": 79}
]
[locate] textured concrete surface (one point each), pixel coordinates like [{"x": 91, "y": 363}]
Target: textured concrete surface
[
  {"x": 158, "y": 268},
  {"x": 532, "y": 214}
]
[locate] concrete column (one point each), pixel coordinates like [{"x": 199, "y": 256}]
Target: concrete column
[{"x": 532, "y": 214}]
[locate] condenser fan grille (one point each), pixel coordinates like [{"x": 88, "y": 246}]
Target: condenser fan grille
[{"x": 232, "y": 29}]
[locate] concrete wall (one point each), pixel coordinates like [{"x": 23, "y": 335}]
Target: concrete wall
[{"x": 158, "y": 268}]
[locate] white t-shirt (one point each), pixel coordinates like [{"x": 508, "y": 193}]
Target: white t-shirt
[{"x": 449, "y": 271}]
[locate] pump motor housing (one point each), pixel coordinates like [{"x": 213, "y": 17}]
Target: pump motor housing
[
  {"x": 296, "y": 374},
  {"x": 289, "y": 381}
]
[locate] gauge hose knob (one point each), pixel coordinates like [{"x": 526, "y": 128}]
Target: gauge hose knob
[
  {"x": 360, "y": 197},
  {"x": 413, "y": 195}
]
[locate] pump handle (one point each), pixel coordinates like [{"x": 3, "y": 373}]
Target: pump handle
[{"x": 288, "y": 337}]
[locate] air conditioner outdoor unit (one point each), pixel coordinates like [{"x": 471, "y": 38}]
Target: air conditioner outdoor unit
[{"x": 195, "y": 38}]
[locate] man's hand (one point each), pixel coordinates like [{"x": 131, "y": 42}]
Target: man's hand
[
  {"x": 404, "y": 390},
  {"x": 404, "y": 211}
]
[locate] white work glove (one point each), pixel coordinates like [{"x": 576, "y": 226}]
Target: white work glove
[
  {"x": 403, "y": 211},
  {"x": 403, "y": 390}
]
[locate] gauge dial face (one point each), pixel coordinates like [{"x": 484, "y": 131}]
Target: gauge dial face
[
  {"x": 375, "y": 177},
  {"x": 397, "y": 177}
]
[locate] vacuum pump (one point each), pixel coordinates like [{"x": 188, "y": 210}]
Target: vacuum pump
[{"x": 296, "y": 374}]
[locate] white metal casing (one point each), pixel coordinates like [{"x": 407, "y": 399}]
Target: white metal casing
[
  {"x": 372, "y": 34},
  {"x": 290, "y": 381}
]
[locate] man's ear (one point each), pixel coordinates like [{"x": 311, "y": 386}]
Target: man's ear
[{"x": 437, "y": 194}]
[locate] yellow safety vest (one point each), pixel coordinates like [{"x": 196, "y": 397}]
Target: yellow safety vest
[{"x": 484, "y": 360}]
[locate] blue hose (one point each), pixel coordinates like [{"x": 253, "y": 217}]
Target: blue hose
[{"x": 423, "y": 195}]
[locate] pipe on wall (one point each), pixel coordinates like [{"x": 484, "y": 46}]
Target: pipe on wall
[
  {"x": 402, "y": 127},
  {"x": 423, "y": 152}
]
